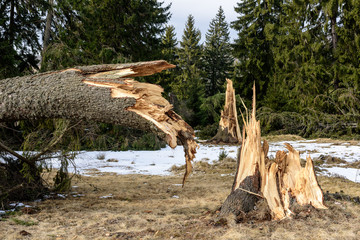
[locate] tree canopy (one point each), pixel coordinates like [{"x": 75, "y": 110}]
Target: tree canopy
[{"x": 302, "y": 55}]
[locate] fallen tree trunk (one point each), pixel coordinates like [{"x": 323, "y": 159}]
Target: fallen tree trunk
[
  {"x": 101, "y": 93},
  {"x": 229, "y": 130},
  {"x": 280, "y": 182}
]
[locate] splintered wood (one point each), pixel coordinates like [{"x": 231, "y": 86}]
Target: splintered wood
[
  {"x": 281, "y": 180},
  {"x": 229, "y": 130},
  {"x": 150, "y": 104}
]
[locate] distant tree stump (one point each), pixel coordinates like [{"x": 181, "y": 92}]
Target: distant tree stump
[{"x": 229, "y": 130}]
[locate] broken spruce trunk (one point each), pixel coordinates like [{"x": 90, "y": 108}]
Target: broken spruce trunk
[
  {"x": 100, "y": 93},
  {"x": 229, "y": 130},
  {"x": 279, "y": 181}
]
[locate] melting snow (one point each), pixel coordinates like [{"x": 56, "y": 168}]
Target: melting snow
[{"x": 159, "y": 162}]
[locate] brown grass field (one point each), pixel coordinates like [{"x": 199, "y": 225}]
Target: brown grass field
[{"x": 157, "y": 207}]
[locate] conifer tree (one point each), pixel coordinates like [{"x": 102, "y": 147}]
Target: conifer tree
[
  {"x": 169, "y": 44},
  {"x": 189, "y": 87},
  {"x": 20, "y": 25},
  {"x": 97, "y": 31},
  {"x": 169, "y": 53},
  {"x": 301, "y": 57},
  {"x": 252, "y": 48},
  {"x": 217, "y": 57}
]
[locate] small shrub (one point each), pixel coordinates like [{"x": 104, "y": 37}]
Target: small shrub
[
  {"x": 208, "y": 132},
  {"x": 100, "y": 156},
  {"x": 222, "y": 155}
]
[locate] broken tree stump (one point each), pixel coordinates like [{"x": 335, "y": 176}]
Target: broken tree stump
[
  {"x": 281, "y": 182},
  {"x": 100, "y": 93},
  {"x": 229, "y": 130}
]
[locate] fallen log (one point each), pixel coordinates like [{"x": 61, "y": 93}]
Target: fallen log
[
  {"x": 229, "y": 130},
  {"x": 100, "y": 93},
  {"x": 281, "y": 182}
]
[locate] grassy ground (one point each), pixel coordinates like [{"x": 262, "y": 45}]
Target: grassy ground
[{"x": 157, "y": 207}]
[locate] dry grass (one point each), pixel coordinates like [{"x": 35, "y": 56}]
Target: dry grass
[
  {"x": 338, "y": 141},
  {"x": 283, "y": 137},
  {"x": 157, "y": 207}
]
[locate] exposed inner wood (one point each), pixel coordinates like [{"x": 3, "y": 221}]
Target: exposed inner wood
[
  {"x": 229, "y": 130},
  {"x": 151, "y": 106},
  {"x": 281, "y": 180}
]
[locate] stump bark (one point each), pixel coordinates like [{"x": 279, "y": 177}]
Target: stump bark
[
  {"x": 281, "y": 182},
  {"x": 101, "y": 93},
  {"x": 229, "y": 130}
]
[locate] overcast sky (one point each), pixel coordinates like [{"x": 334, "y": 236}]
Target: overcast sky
[{"x": 203, "y": 11}]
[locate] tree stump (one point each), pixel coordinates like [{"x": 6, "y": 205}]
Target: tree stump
[
  {"x": 281, "y": 182},
  {"x": 229, "y": 130}
]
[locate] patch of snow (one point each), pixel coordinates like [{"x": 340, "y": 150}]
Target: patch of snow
[
  {"x": 17, "y": 205},
  {"x": 176, "y": 184},
  {"x": 159, "y": 162},
  {"x": 61, "y": 195},
  {"x": 107, "y": 196},
  {"x": 351, "y": 174},
  {"x": 175, "y": 196},
  {"x": 78, "y": 195}
]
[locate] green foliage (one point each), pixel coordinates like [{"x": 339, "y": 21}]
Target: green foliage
[
  {"x": 20, "y": 24},
  {"x": 148, "y": 142},
  {"x": 169, "y": 43},
  {"x": 217, "y": 55},
  {"x": 169, "y": 53},
  {"x": 212, "y": 107},
  {"x": 208, "y": 131},
  {"x": 189, "y": 86},
  {"x": 24, "y": 223},
  {"x": 222, "y": 155},
  {"x": 62, "y": 179},
  {"x": 303, "y": 56},
  {"x": 252, "y": 48},
  {"x": 113, "y": 31}
]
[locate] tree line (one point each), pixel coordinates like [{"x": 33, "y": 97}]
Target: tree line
[{"x": 303, "y": 56}]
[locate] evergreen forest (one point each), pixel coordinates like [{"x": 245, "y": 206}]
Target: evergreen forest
[{"x": 303, "y": 55}]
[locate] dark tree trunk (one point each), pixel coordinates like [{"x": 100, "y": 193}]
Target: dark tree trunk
[
  {"x": 12, "y": 22},
  {"x": 101, "y": 93},
  {"x": 47, "y": 31},
  {"x": 334, "y": 39}
]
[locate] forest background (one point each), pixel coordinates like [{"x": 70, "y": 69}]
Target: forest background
[{"x": 303, "y": 56}]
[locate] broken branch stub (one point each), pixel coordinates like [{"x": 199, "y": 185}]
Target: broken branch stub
[
  {"x": 101, "y": 93},
  {"x": 278, "y": 181}
]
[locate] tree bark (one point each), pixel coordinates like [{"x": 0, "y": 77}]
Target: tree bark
[
  {"x": 101, "y": 93},
  {"x": 278, "y": 181},
  {"x": 229, "y": 130}
]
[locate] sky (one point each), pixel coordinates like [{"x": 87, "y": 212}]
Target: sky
[{"x": 203, "y": 11}]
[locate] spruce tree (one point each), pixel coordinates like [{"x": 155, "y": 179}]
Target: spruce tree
[
  {"x": 169, "y": 44},
  {"x": 93, "y": 32},
  {"x": 20, "y": 24},
  {"x": 217, "y": 59},
  {"x": 300, "y": 59},
  {"x": 188, "y": 86},
  {"x": 252, "y": 48},
  {"x": 169, "y": 53}
]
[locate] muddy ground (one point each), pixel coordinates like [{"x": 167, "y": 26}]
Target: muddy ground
[{"x": 109, "y": 206}]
